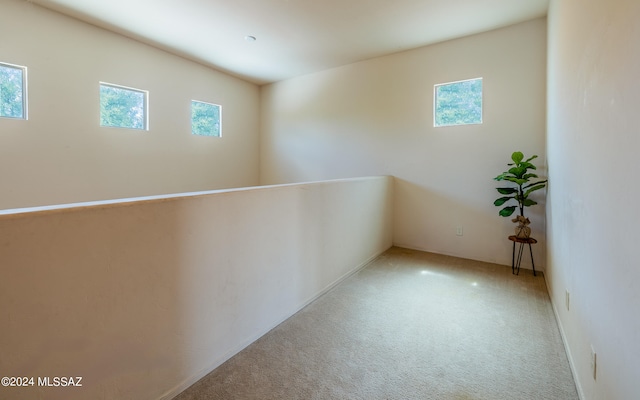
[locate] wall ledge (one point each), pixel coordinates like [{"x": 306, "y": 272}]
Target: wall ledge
[{"x": 129, "y": 201}]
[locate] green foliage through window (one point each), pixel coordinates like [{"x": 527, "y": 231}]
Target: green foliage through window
[
  {"x": 458, "y": 103},
  {"x": 205, "y": 119},
  {"x": 12, "y": 91},
  {"x": 123, "y": 107}
]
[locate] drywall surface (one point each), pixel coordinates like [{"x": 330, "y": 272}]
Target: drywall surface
[
  {"x": 376, "y": 117},
  {"x": 141, "y": 299},
  {"x": 62, "y": 155},
  {"x": 593, "y": 143}
]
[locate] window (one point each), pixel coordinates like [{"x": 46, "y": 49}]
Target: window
[
  {"x": 123, "y": 107},
  {"x": 13, "y": 91},
  {"x": 458, "y": 103},
  {"x": 205, "y": 119}
]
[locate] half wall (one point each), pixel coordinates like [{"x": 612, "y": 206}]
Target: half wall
[{"x": 142, "y": 298}]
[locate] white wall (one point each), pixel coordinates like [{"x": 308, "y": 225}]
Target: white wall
[
  {"x": 142, "y": 299},
  {"x": 593, "y": 142},
  {"x": 62, "y": 155},
  {"x": 375, "y": 117}
]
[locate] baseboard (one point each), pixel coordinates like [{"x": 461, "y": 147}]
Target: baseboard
[
  {"x": 205, "y": 371},
  {"x": 418, "y": 248},
  {"x": 566, "y": 344}
]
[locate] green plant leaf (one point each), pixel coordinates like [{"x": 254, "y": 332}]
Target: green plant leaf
[
  {"x": 529, "y": 176},
  {"x": 528, "y": 185},
  {"x": 518, "y": 171},
  {"x": 517, "y": 157},
  {"x": 529, "y": 203},
  {"x": 527, "y": 165},
  {"x": 515, "y": 180},
  {"x": 531, "y": 158},
  {"x": 507, "y": 190},
  {"x": 533, "y": 189},
  {"x": 503, "y": 176},
  {"x": 507, "y": 211},
  {"x": 502, "y": 200}
]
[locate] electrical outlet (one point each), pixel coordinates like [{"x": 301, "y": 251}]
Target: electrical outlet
[
  {"x": 459, "y": 230},
  {"x": 566, "y": 299},
  {"x": 594, "y": 366}
]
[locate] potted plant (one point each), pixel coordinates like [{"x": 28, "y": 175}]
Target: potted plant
[{"x": 526, "y": 183}]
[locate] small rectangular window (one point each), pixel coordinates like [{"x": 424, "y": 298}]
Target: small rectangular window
[
  {"x": 458, "y": 103},
  {"x": 13, "y": 91},
  {"x": 206, "y": 119},
  {"x": 123, "y": 107}
]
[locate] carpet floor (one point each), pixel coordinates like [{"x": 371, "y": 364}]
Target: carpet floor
[{"x": 411, "y": 325}]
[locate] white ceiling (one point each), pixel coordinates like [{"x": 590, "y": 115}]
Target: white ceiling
[{"x": 294, "y": 37}]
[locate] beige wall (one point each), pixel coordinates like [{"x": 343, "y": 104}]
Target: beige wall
[
  {"x": 368, "y": 118},
  {"x": 375, "y": 117},
  {"x": 62, "y": 155},
  {"x": 593, "y": 142},
  {"x": 141, "y": 299}
]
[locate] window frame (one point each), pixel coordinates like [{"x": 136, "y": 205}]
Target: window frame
[
  {"x": 219, "y": 135},
  {"x": 25, "y": 91},
  {"x": 435, "y": 102},
  {"x": 145, "y": 105}
]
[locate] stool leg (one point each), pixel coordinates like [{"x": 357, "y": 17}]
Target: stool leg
[
  {"x": 513, "y": 259},
  {"x": 532, "y": 264},
  {"x": 520, "y": 251}
]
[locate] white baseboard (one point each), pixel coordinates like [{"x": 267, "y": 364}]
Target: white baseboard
[
  {"x": 426, "y": 250},
  {"x": 566, "y": 344}
]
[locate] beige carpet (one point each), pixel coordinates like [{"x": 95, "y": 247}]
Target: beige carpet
[{"x": 411, "y": 325}]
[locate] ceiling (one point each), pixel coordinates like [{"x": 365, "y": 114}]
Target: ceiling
[{"x": 294, "y": 37}]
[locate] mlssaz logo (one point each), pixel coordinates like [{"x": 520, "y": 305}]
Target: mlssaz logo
[{"x": 60, "y": 381}]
